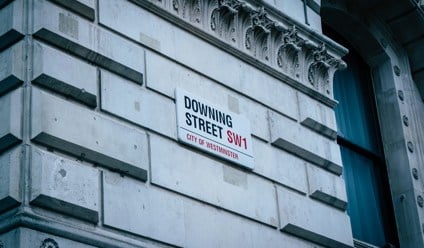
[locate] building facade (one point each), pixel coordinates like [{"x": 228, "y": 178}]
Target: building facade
[{"x": 211, "y": 123}]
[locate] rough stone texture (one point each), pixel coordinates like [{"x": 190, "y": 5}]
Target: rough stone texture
[
  {"x": 137, "y": 208},
  {"x": 11, "y": 119},
  {"x": 86, "y": 53},
  {"x": 313, "y": 221},
  {"x": 11, "y": 68},
  {"x": 64, "y": 74},
  {"x": 10, "y": 167},
  {"x": 292, "y": 137},
  {"x": 178, "y": 76},
  {"x": 88, "y": 136},
  {"x": 138, "y": 105},
  {"x": 208, "y": 60},
  {"x": 211, "y": 181},
  {"x": 24, "y": 237},
  {"x": 280, "y": 166},
  {"x": 81, "y": 38},
  {"x": 65, "y": 186},
  {"x": 12, "y": 23},
  {"x": 149, "y": 211},
  {"x": 327, "y": 187}
]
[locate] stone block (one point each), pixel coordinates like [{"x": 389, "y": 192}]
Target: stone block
[
  {"x": 64, "y": 74},
  {"x": 84, "y": 8},
  {"x": 79, "y": 37},
  {"x": 12, "y": 23},
  {"x": 25, "y": 237},
  {"x": 11, "y": 119},
  {"x": 138, "y": 105},
  {"x": 88, "y": 136},
  {"x": 11, "y": 68},
  {"x": 64, "y": 186},
  {"x": 208, "y": 227},
  {"x": 143, "y": 210},
  {"x": 10, "y": 164},
  {"x": 327, "y": 187},
  {"x": 208, "y": 60},
  {"x": 280, "y": 166},
  {"x": 317, "y": 116},
  {"x": 161, "y": 215},
  {"x": 209, "y": 180},
  {"x": 313, "y": 221},
  {"x": 308, "y": 145},
  {"x": 178, "y": 76}
]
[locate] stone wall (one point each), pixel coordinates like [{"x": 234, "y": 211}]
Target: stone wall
[{"x": 88, "y": 136}]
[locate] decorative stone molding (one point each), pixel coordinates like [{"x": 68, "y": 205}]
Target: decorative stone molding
[
  {"x": 308, "y": 59},
  {"x": 321, "y": 67},
  {"x": 288, "y": 52},
  {"x": 49, "y": 243}
]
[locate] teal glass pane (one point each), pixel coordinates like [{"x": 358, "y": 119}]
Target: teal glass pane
[
  {"x": 364, "y": 201},
  {"x": 355, "y": 111}
]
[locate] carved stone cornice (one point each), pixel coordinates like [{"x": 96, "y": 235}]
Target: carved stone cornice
[{"x": 254, "y": 32}]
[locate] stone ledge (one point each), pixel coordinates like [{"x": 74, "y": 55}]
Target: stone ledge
[
  {"x": 11, "y": 68},
  {"x": 314, "y": 221},
  {"x": 11, "y": 19},
  {"x": 88, "y": 136},
  {"x": 81, "y": 38},
  {"x": 64, "y": 74},
  {"x": 77, "y": 7},
  {"x": 10, "y": 195},
  {"x": 296, "y": 139},
  {"x": 11, "y": 119},
  {"x": 65, "y": 186}
]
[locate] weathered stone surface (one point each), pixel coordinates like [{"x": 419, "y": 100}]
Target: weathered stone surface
[
  {"x": 294, "y": 138},
  {"x": 64, "y": 74},
  {"x": 138, "y": 105},
  {"x": 406, "y": 203},
  {"x": 24, "y": 237},
  {"x": 89, "y": 135},
  {"x": 11, "y": 119},
  {"x": 280, "y": 166},
  {"x": 210, "y": 227},
  {"x": 11, "y": 68},
  {"x": 313, "y": 221},
  {"x": 84, "y": 8},
  {"x": 162, "y": 215},
  {"x": 211, "y": 181},
  {"x": 178, "y": 76},
  {"x": 144, "y": 210},
  {"x": 327, "y": 187},
  {"x": 12, "y": 23},
  {"x": 64, "y": 185},
  {"x": 10, "y": 167},
  {"x": 208, "y": 59},
  {"x": 82, "y": 38},
  {"x": 317, "y": 116}
]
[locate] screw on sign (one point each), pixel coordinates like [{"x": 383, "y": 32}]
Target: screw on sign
[{"x": 49, "y": 243}]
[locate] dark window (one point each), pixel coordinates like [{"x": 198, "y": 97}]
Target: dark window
[{"x": 364, "y": 170}]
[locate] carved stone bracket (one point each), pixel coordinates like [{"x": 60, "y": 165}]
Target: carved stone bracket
[
  {"x": 288, "y": 52},
  {"x": 256, "y": 34},
  {"x": 190, "y": 10},
  {"x": 248, "y": 27},
  {"x": 321, "y": 68},
  {"x": 222, "y": 20}
]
